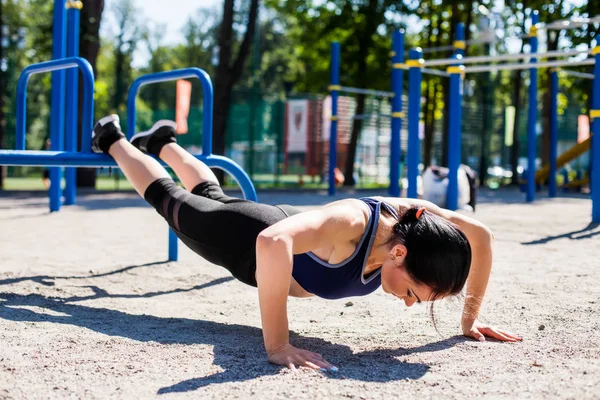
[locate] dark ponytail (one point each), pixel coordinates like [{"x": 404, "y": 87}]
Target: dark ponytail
[{"x": 438, "y": 253}]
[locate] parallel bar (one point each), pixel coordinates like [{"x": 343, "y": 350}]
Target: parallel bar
[
  {"x": 49, "y": 66},
  {"x": 532, "y": 113},
  {"x": 72, "y": 103},
  {"x": 57, "y": 104},
  {"x": 431, "y": 71},
  {"x": 335, "y": 81},
  {"x": 413, "y": 154},
  {"x": 368, "y": 92},
  {"x": 207, "y": 95},
  {"x": 595, "y": 149},
  {"x": 398, "y": 115},
  {"x": 512, "y": 67},
  {"x": 506, "y": 57},
  {"x": 577, "y": 74},
  {"x": 36, "y": 158},
  {"x": 553, "y": 132}
]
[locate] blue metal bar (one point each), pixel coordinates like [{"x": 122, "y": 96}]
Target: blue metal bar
[
  {"x": 36, "y": 158},
  {"x": 88, "y": 96},
  {"x": 57, "y": 105},
  {"x": 335, "y": 83},
  {"x": 595, "y": 149},
  {"x": 397, "y": 116},
  {"x": 454, "y": 134},
  {"x": 413, "y": 153},
  {"x": 532, "y": 114},
  {"x": 459, "y": 40},
  {"x": 72, "y": 103},
  {"x": 455, "y": 119},
  {"x": 553, "y": 132},
  {"x": 207, "y": 93}
]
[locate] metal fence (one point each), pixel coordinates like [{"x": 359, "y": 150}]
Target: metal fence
[{"x": 259, "y": 137}]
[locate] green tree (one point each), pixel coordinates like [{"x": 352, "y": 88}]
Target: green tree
[
  {"x": 126, "y": 39},
  {"x": 89, "y": 48},
  {"x": 230, "y": 68}
]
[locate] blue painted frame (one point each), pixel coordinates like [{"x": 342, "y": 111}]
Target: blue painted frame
[{"x": 207, "y": 157}]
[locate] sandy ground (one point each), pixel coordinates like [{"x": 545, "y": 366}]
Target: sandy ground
[{"x": 89, "y": 308}]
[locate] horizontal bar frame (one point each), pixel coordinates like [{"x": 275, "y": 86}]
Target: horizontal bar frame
[
  {"x": 368, "y": 92},
  {"x": 88, "y": 97},
  {"x": 185, "y": 73},
  {"x": 505, "y": 57},
  {"x": 512, "y": 67}
]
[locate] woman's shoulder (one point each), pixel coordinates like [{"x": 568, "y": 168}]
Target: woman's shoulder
[{"x": 353, "y": 210}]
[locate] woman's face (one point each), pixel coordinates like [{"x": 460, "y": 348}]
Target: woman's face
[{"x": 396, "y": 281}]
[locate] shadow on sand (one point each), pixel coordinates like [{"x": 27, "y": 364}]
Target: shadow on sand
[
  {"x": 593, "y": 229},
  {"x": 240, "y": 363}
]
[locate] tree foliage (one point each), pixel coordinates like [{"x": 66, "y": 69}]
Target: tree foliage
[{"x": 294, "y": 39}]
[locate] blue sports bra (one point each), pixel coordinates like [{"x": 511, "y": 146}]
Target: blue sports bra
[{"x": 335, "y": 281}]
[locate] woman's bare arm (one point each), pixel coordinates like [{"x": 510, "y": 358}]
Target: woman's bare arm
[
  {"x": 275, "y": 247},
  {"x": 480, "y": 238}
]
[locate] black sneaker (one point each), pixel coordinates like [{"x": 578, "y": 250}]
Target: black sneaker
[
  {"x": 152, "y": 141},
  {"x": 105, "y": 133}
]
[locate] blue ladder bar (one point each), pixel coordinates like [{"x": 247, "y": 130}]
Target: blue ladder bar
[
  {"x": 397, "y": 114},
  {"x": 57, "y": 102},
  {"x": 71, "y": 101},
  {"x": 334, "y": 89}
]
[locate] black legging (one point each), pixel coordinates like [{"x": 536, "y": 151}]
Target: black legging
[{"x": 221, "y": 229}]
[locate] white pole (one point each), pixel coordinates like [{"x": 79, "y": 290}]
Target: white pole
[
  {"x": 512, "y": 67},
  {"x": 367, "y": 92},
  {"x": 577, "y": 74},
  {"x": 505, "y": 57}
]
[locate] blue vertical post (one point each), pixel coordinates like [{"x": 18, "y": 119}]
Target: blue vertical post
[
  {"x": 72, "y": 103},
  {"x": 454, "y": 133},
  {"x": 595, "y": 149},
  {"x": 57, "y": 108},
  {"x": 532, "y": 115},
  {"x": 397, "y": 114},
  {"x": 459, "y": 40},
  {"x": 413, "y": 154},
  {"x": 455, "y": 118},
  {"x": 553, "y": 131},
  {"x": 334, "y": 88}
]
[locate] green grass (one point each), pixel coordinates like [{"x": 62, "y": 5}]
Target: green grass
[
  {"x": 105, "y": 183},
  {"x": 35, "y": 184}
]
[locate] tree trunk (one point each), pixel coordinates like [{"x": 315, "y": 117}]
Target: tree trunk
[
  {"x": 429, "y": 121},
  {"x": 89, "y": 48},
  {"x": 118, "y": 96},
  {"x": 227, "y": 74},
  {"x": 365, "y": 42},
  {"x": 356, "y": 128}
]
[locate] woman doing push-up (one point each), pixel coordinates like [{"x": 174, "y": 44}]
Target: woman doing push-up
[{"x": 413, "y": 249}]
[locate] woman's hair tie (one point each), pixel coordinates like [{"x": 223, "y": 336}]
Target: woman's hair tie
[{"x": 420, "y": 212}]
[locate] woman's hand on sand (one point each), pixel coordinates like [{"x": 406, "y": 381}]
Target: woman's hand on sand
[
  {"x": 293, "y": 357},
  {"x": 479, "y": 331}
]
